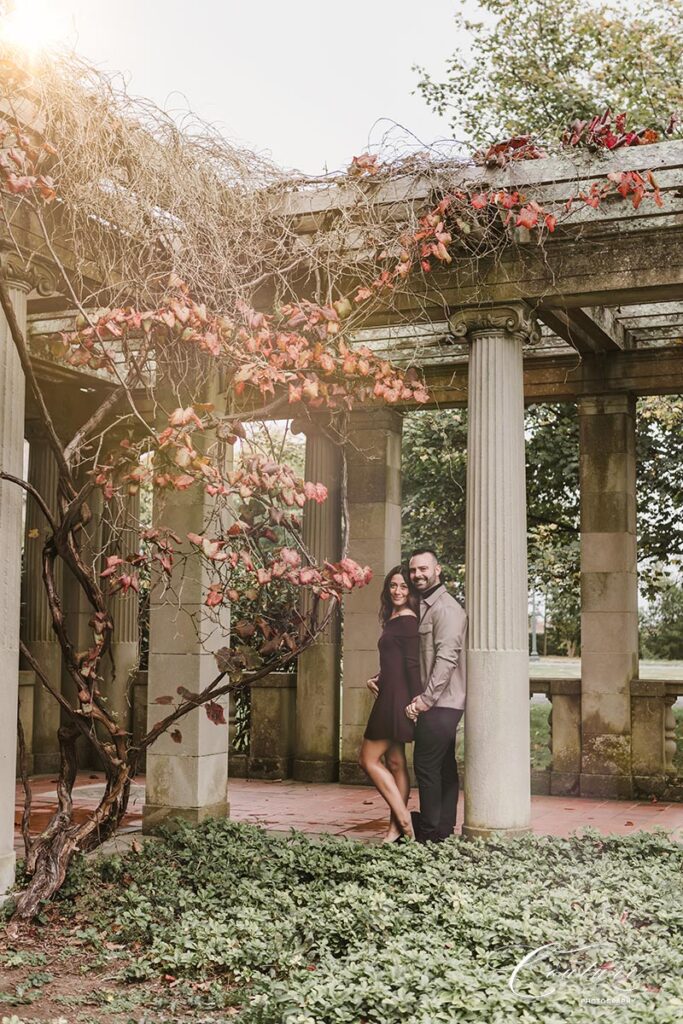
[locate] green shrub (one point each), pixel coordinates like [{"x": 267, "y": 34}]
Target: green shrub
[{"x": 345, "y": 933}]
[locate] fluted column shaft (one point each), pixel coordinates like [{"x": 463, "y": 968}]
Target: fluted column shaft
[
  {"x": 37, "y": 631},
  {"x": 497, "y": 767},
  {"x": 318, "y": 671},
  {"x": 122, "y": 537},
  {"x": 11, "y": 461}
]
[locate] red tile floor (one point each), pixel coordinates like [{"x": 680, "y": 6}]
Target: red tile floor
[{"x": 357, "y": 811}]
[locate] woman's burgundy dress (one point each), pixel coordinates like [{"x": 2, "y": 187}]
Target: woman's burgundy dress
[{"x": 399, "y": 681}]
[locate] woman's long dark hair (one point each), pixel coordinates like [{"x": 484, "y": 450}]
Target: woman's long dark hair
[{"x": 386, "y": 606}]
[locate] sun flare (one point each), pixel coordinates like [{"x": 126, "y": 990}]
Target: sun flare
[{"x": 33, "y": 25}]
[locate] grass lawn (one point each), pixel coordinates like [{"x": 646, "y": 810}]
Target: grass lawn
[{"x": 225, "y": 922}]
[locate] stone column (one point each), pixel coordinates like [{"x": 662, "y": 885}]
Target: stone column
[
  {"x": 497, "y": 766},
  {"x": 609, "y": 592},
  {"x": 37, "y": 632},
  {"x": 11, "y": 461},
  {"x": 318, "y": 684},
  {"x": 189, "y": 778},
  {"x": 122, "y": 538},
  {"x": 374, "y": 505}
]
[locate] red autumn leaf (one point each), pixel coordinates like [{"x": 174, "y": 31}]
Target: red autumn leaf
[
  {"x": 214, "y": 596},
  {"x": 527, "y": 218},
  {"x": 165, "y": 699},
  {"x": 215, "y": 712},
  {"x": 177, "y": 736}
]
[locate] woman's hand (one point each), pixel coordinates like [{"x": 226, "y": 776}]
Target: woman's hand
[{"x": 372, "y": 685}]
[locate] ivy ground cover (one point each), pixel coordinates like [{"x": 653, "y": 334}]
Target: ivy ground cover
[{"x": 226, "y": 921}]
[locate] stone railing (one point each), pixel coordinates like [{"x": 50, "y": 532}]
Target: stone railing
[
  {"x": 272, "y": 730},
  {"x": 562, "y": 778},
  {"x": 27, "y": 681},
  {"x": 653, "y": 738}
]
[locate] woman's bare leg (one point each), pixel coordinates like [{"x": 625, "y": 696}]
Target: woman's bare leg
[
  {"x": 395, "y": 760},
  {"x": 371, "y": 753}
]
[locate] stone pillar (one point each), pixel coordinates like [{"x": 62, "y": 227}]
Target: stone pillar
[
  {"x": 11, "y": 461},
  {"x": 374, "y": 504},
  {"x": 565, "y": 721},
  {"x": 122, "y": 538},
  {"x": 649, "y": 717},
  {"x": 497, "y": 768},
  {"x": 189, "y": 778},
  {"x": 609, "y": 592},
  {"x": 318, "y": 671},
  {"x": 37, "y": 632},
  {"x": 271, "y": 735}
]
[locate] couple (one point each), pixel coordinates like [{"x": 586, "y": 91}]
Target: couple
[{"x": 419, "y": 695}]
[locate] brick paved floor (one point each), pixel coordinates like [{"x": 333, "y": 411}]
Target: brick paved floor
[{"x": 357, "y": 811}]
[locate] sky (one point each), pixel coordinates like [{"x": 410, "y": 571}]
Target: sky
[{"x": 310, "y": 82}]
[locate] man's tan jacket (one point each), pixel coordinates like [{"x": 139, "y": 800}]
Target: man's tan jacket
[{"x": 443, "y": 636}]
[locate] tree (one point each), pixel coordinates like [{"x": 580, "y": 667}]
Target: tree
[
  {"x": 434, "y": 466},
  {"x": 540, "y": 64},
  {"x": 434, "y": 480},
  {"x": 164, "y": 243},
  {"x": 205, "y": 300},
  {"x": 662, "y": 623}
]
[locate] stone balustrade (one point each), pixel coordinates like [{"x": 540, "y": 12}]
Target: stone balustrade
[{"x": 653, "y": 738}]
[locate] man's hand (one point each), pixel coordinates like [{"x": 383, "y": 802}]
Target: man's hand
[
  {"x": 372, "y": 685},
  {"x": 415, "y": 708}
]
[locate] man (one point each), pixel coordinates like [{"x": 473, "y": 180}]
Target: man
[{"x": 437, "y": 711}]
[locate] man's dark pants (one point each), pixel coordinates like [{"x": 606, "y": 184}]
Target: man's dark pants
[{"x": 436, "y": 771}]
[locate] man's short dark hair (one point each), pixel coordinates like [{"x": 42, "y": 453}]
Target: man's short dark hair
[{"x": 424, "y": 551}]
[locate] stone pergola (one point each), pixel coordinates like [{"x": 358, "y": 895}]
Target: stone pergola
[{"x": 596, "y": 319}]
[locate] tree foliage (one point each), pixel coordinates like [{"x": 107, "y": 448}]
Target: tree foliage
[
  {"x": 434, "y": 481},
  {"x": 536, "y": 64},
  {"x": 662, "y": 623}
]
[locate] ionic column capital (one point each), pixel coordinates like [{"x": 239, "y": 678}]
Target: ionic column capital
[
  {"x": 28, "y": 274},
  {"x": 511, "y": 318}
]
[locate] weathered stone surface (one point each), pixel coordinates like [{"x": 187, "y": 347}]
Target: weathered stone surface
[
  {"x": 37, "y": 632},
  {"x": 190, "y": 776},
  {"x": 497, "y": 772},
  {"x": 318, "y": 692},
  {"x": 606, "y": 632},
  {"x": 11, "y": 460},
  {"x": 27, "y": 684},
  {"x": 609, "y": 672},
  {"x": 648, "y": 719},
  {"x": 609, "y": 611},
  {"x": 607, "y": 552},
  {"x": 273, "y": 727},
  {"x": 566, "y": 736},
  {"x": 374, "y": 459}
]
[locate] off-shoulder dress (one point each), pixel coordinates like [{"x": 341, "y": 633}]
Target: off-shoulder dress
[{"x": 399, "y": 681}]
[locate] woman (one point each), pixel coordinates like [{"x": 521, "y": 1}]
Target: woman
[{"x": 397, "y": 683}]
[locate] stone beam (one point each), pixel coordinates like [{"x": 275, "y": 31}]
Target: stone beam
[
  {"x": 593, "y": 329},
  {"x": 566, "y": 378}
]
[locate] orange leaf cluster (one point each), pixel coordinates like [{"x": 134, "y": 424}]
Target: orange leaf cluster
[
  {"x": 20, "y": 162},
  {"x": 605, "y": 131}
]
